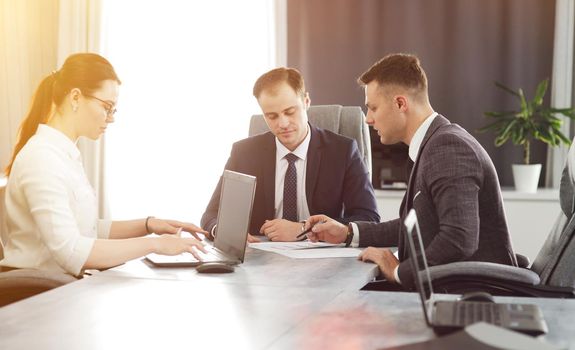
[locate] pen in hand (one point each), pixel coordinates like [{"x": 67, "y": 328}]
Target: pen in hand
[{"x": 308, "y": 230}]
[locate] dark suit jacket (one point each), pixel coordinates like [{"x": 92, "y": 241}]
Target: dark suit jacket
[
  {"x": 337, "y": 181},
  {"x": 455, "y": 191}
]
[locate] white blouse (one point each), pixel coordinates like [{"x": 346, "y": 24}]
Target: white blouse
[{"x": 51, "y": 208}]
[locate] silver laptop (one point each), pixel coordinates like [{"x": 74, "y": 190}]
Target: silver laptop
[
  {"x": 234, "y": 215},
  {"x": 448, "y": 316}
]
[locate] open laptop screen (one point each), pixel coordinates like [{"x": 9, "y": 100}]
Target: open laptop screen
[
  {"x": 419, "y": 265},
  {"x": 236, "y": 188}
]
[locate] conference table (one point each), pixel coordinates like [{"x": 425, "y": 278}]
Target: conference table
[{"x": 269, "y": 302}]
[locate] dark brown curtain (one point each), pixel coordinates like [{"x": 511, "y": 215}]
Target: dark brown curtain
[{"x": 464, "y": 46}]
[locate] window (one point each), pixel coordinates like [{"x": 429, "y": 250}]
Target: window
[{"x": 187, "y": 71}]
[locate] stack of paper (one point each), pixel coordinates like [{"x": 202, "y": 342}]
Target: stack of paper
[{"x": 307, "y": 250}]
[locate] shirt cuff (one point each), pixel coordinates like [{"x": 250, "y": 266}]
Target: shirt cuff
[
  {"x": 355, "y": 239},
  {"x": 396, "y": 274},
  {"x": 80, "y": 253},
  {"x": 103, "y": 229},
  {"x": 213, "y": 231}
]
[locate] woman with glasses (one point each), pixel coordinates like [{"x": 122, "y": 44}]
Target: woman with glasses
[{"x": 51, "y": 209}]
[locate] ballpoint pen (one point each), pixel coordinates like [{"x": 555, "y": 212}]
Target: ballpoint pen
[{"x": 308, "y": 230}]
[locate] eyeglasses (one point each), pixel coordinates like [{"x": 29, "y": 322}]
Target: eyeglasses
[{"x": 108, "y": 107}]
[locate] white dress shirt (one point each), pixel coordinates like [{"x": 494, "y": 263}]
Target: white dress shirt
[
  {"x": 414, "y": 146},
  {"x": 417, "y": 138},
  {"x": 300, "y": 166},
  {"x": 51, "y": 208}
]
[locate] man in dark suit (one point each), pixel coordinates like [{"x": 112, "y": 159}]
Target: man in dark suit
[
  {"x": 301, "y": 170},
  {"x": 453, "y": 185}
]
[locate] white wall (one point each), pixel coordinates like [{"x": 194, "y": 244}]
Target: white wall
[{"x": 530, "y": 217}]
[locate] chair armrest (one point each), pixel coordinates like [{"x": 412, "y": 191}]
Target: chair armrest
[
  {"x": 23, "y": 283},
  {"x": 522, "y": 260},
  {"x": 489, "y": 270}
]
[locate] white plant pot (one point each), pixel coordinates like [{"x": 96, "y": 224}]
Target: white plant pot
[{"x": 526, "y": 177}]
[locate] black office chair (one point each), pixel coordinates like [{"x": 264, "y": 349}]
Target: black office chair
[{"x": 552, "y": 274}]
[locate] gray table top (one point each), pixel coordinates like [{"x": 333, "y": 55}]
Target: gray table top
[
  {"x": 264, "y": 268},
  {"x": 371, "y": 320},
  {"x": 271, "y": 302}
]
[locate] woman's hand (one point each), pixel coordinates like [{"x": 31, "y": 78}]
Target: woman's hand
[
  {"x": 174, "y": 245},
  {"x": 160, "y": 226}
]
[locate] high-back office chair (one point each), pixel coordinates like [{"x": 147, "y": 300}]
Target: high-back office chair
[
  {"x": 344, "y": 120},
  {"x": 552, "y": 274},
  {"x": 23, "y": 283}
]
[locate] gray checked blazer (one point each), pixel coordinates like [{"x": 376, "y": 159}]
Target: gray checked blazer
[{"x": 455, "y": 191}]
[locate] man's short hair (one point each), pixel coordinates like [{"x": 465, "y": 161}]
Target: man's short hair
[
  {"x": 403, "y": 70},
  {"x": 272, "y": 79}
]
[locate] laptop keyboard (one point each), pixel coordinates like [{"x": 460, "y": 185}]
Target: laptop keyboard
[
  {"x": 211, "y": 255},
  {"x": 471, "y": 312}
]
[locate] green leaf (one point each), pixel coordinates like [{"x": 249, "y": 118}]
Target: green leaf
[
  {"x": 520, "y": 136},
  {"x": 501, "y": 86},
  {"x": 532, "y": 121},
  {"x": 561, "y": 110},
  {"x": 525, "y": 110},
  {"x": 545, "y": 136},
  {"x": 500, "y": 140},
  {"x": 500, "y": 114},
  {"x": 507, "y": 129},
  {"x": 495, "y": 126},
  {"x": 563, "y": 138},
  {"x": 540, "y": 92},
  {"x": 515, "y": 136}
]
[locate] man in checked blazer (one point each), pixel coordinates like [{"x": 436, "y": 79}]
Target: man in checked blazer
[{"x": 453, "y": 185}]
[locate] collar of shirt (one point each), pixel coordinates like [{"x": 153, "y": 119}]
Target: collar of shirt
[
  {"x": 57, "y": 138},
  {"x": 300, "y": 151},
  {"x": 419, "y": 135}
]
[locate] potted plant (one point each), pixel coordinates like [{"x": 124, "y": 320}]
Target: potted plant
[{"x": 532, "y": 121}]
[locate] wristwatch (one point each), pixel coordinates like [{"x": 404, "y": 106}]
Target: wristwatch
[{"x": 349, "y": 235}]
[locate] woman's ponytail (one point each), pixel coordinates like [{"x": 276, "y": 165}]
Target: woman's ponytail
[{"x": 38, "y": 114}]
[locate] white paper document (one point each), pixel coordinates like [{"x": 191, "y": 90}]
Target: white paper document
[{"x": 307, "y": 250}]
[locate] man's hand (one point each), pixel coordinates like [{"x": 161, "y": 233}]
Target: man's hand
[
  {"x": 326, "y": 229},
  {"x": 253, "y": 239},
  {"x": 384, "y": 258},
  {"x": 281, "y": 230}
]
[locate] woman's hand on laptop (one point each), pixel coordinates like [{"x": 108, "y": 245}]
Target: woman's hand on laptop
[
  {"x": 325, "y": 229},
  {"x": 174, "y": 245},
  {"x": 174, "y": 227}
]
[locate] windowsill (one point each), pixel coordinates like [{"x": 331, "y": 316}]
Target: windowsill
[
  {"x": 542, "y": 194},
  {"x": 508, "y": 193}
]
